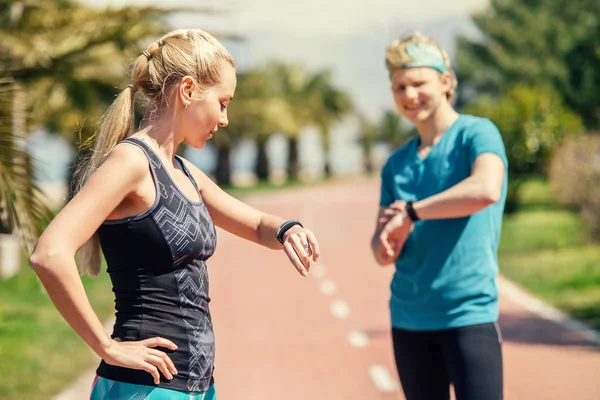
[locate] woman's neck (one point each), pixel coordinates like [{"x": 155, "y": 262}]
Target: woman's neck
[
  {"x": 159, "y": 129},
  {"x": 432, "y": 129}
]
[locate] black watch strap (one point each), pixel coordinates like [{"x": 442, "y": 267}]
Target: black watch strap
[
  {"x": 285, "y": 227},
  {"x": 412, "y": 214}
]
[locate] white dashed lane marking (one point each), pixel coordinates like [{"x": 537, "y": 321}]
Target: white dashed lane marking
[
  {"x": 358, "y": 339},
  {"x": 340, "y": 309},
  {"x": 318, "y": 271},
  {"x": 382, "y": 379},
  {"x": 327, "y": 287}
]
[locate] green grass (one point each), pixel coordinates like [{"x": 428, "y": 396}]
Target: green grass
[
  {"x": 262, "y": 187},
  {"x": 546, "y": 249},
  {"x": 40, "y": 354}
]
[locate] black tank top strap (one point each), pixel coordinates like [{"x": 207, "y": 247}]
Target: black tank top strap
[
  {"x": 156, "y": 164},
  {"x": 187, "y": 172}
]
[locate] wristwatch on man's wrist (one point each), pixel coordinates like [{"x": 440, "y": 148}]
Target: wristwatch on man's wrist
[{"x": 410, "y": 211}]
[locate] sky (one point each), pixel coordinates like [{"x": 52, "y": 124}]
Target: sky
[{"x": 346, "y": 36}]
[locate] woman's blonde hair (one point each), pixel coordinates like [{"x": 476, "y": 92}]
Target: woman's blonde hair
[
  {"x": 180, "y": 53},
  {"x": 400, "y": 54}
]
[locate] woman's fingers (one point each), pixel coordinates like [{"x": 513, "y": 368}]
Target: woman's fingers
[
  {"x": 152, "y": 370},
  {"x": 314, "y": 245},
  {"x": 165, "y": 358},
  {"x": 159, "y": 342},
  {"x": 159, "y": 363},
  {"x": 159, "y": 358},
  {"x": 302, "y": 248},
  {"x": 300, "y": 245},
  {"x": 289, "y": 250}
]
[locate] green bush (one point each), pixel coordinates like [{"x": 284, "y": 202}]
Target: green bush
[
  {"x": 532, "y": 121},
  {"x": 575, "y": 178}
]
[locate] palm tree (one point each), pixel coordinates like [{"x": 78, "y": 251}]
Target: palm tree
[
  {"x": 328, "y": 104},
  {"x": 257, "y": 113},
  {"x": 72, "y": 59},
  {"x": 367, "y": 140},
  {"x": 69, "y": 57},
  {"x": 22, "y": 208},
  {"x": 313, "y": 99},
  {"x": 391, "y": 129}
]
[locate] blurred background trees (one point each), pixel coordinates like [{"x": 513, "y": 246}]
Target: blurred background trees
[{"x": 534, "y": 71}]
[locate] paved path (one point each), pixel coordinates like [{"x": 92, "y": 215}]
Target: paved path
[{"x": 283, "y": 337}]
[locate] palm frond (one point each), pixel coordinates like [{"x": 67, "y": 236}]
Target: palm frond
[{"x": 22, "y": 206}]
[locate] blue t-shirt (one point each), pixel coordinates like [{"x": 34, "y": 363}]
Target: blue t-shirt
[{"x": 445, "y": 274}]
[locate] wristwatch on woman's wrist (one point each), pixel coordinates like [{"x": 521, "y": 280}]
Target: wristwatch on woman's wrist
[{"x": 285, "y": 227}]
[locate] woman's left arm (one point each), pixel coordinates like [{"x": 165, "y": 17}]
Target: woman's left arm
[
  {"x": 244, "y": 221},
  {"x": 482, "y": 188}
]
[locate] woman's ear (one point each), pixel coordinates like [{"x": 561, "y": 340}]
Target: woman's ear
[{"x": 185, "y": 90}]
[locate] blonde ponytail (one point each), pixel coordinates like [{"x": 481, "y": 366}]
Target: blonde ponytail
[{"x": 117, "y": 124}]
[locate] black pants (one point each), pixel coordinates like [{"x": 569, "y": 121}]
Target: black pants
[{"x": 470, "y": 358}]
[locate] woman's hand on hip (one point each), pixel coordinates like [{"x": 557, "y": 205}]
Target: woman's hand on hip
[{"x": 143, "y": 355}]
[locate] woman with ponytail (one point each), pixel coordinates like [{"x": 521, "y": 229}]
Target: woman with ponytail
[{"x": 152, "y": 215}]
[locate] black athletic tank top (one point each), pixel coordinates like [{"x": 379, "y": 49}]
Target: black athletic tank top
[{"x": 157, "y": 265}]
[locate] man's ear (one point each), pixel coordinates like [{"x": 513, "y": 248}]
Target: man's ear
[{"x": 447, "y": 80}]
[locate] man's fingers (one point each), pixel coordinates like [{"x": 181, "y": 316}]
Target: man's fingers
[
  {"x": 384, "y": 240},
  {"x": 398, "y": 205},
  {"x": 390, "y": 212}
]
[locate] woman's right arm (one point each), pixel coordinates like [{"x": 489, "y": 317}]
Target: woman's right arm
[{"x": 53, "y": 260}]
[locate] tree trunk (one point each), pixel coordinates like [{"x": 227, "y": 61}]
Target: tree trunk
[
  {"x": 262, "y": 161},
  {"x": 368, "y": 162},
  {"x": 326, "y": 155},
  {"x": 293, "y": 162},
  {"x": 223, "y": 171}
]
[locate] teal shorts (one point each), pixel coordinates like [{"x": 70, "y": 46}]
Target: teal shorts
[{"x": 106, "y": 389}]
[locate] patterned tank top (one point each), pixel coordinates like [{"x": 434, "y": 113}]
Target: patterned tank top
[{"x": 157, "y": 265}]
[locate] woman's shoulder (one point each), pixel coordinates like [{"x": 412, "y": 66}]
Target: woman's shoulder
[{"x": 130, "y": 158}]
